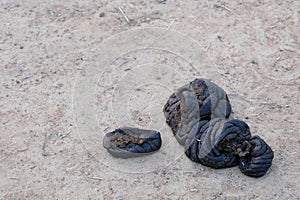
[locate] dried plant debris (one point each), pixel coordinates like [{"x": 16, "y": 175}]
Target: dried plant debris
[{"x": 130, "y": 142}]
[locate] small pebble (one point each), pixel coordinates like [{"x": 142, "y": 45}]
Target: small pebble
[{"x": 102, "y": 14}]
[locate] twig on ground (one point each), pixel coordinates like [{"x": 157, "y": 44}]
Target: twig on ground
[
  {"x": 95, "y": 178},
  {"x": 90, "y": 156},
  {"x": 190, "y": 190},
  {"x": 22, "y": 150},
  {"x": 157, "y": 38},
  {"x": 124, "y": 15},
  {"x": 225, "y": 8},
  {"x": 66, "y": 135},
  {"x": 289, "y": 49},
  {"x": 44, "y": 153},
  {"x": 208, "y": 47},
  {"x": 14, "y": 178}
]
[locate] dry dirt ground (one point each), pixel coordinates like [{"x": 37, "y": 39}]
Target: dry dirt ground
[{"x": 73, "y": 70}]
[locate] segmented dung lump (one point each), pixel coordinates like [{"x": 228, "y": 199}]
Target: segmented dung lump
[
  {"x": 259, "y": 160},
  {"x": 216, "y": 143},
  {"x": 128, "y": 142},
  {"x": 212, "y": 137},
  {"x": 212, "y": 100}
]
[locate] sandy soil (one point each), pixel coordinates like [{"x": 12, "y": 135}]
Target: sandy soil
[{"x": 74, "y": 70}]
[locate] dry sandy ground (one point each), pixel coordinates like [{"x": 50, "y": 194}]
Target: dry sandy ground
[{"x": 73, "y": 70}]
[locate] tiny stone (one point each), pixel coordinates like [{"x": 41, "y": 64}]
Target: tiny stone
[
  {"x": 102, "y": 14},
  {"x": 254, "y": 62}
]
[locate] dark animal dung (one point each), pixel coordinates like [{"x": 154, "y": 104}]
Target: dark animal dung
[
  {"x": 128, "y": 142},
  {"x": 199, "y": 115},
  {"x": 213, "y": 138}
]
